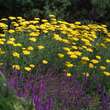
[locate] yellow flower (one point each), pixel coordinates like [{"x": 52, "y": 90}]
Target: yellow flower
[
  {"x": 91, "y": 65},
  {"x": 17, "y": 45},
  {"x": 107, "y": 61},
  {"x": 107, "y": 40},
  {"x": 45, "y": 31},
  {"x": 94, "y": 61},
  {"x": 15, "y": 24},
  {"x": 44, "y": 61},
  {"x": 16, "y": 54},
  {"x": 1, "y": 42},
  {"x": 17, "y": 67},
  {"x": 85, "y": 58},
  {"x": 69, "y": 64},
  {"x": 84, "y": 47},
  {"x": 32, "y": 39},
  {"x": 73, "y": 56},
  {"x": 12, "y": 18},
  {"x": 74, "y": 47},
  {"x": 77, "y": 23},
  {"x": 44, "y": 20},
  {"x": 1, "y": 63},
  {"x": 75, "y": 39},
  {"x": 34, "y": 34},
  {"x": 69, "y": 74},
  {"x": 102, "y": 67},
  {"x": 26, "y": 52},
  {"x": 52, "y": 16},
  {"x": 12, "y": 39},
  {"x": 66, "y": 49},
  {"x": 57, "y": 37},
  {"x": 40, "y": 47},
  {"x": 3, "y": 25},
  {"x": 60, "y": 55},
  {"x": 86, "y": 74},
  {"x": 11, "y": 31},
  {"x": 65, "y": 41},
  {"x": 78, "y": 53},
  {"x": 2, "y": 35},
  {"x": 4, "y": 19},
  {"x": 10, "y": 42},
  {"x": 98, "y": 57},
  {"x": 103, "y": 45},
  {"x": 32, "y": 65},
  {"x": 36, "y": 18},
  {"x": 89, "y": 50},
  {"x": 27, "y": 68},
  {"x": 19, "y": 29},
  {"x": 2, "y": 52},
  {"x": 30, "y": 48},
  {"x": 19, "y": 17},
  {"x": 106, "y": 73}
]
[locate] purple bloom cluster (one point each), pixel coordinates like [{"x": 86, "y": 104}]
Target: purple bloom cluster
[
  {"x": 49, "y": 90},
  {"x": 40, "y": 105}
]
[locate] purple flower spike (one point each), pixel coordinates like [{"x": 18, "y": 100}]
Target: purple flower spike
[
  {"x": 42, "y": 88},
  {"x": 49, "y": 104},
  {"x": 12, "y": 82},
  {"x": 105, "y": 102},
  {"x": 37, "y": 103}
]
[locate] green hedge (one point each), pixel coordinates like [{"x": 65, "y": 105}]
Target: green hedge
[{"x": 66, "y": 9}]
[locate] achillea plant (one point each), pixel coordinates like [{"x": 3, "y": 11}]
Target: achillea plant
[{"x": 28, "y": 45}]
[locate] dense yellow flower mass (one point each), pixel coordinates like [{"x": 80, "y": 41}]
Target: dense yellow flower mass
[{"x": 73, "y": 47}]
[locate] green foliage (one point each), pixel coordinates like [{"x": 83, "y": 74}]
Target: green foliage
[
  {"x": 66, "y": 9},
  {"x": 101, "y": 6},
  {"x": 56, "y": 7},
  {"x": 9, "y": 101}
]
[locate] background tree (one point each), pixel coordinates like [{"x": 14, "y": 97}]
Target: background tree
[{"x": 69, "y": 10}]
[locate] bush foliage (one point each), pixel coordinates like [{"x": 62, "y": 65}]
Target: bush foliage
[{"x": 66, "y": 9}]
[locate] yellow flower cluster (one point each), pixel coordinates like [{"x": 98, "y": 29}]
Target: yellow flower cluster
[{"x": 73, "y": 45}]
